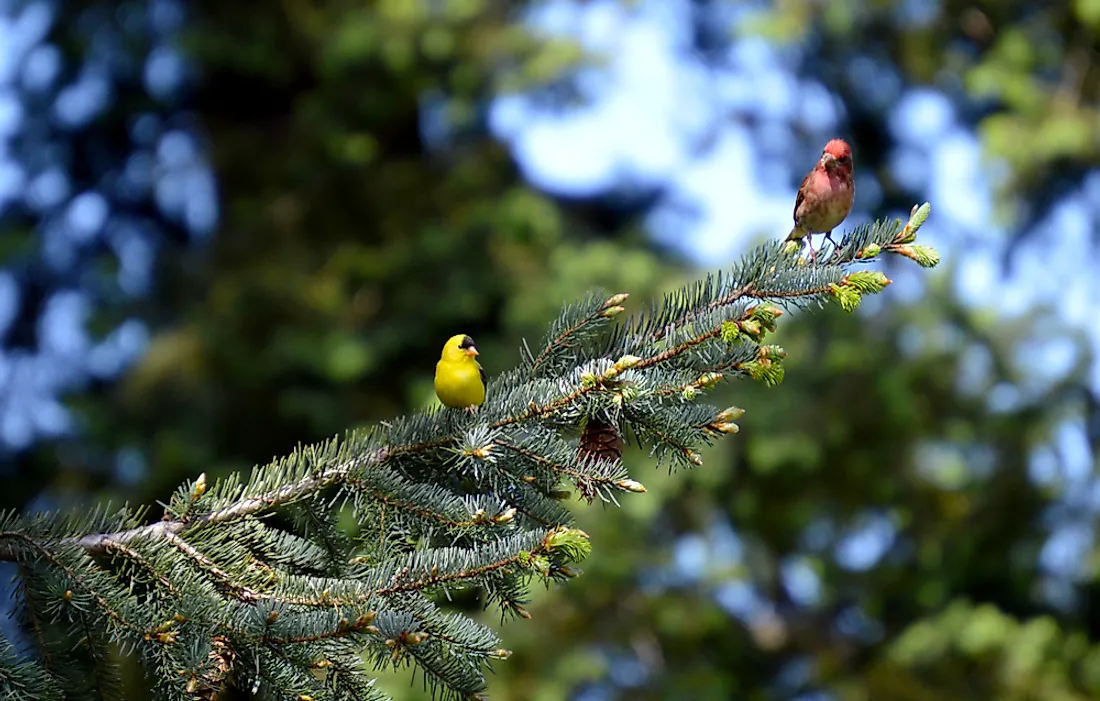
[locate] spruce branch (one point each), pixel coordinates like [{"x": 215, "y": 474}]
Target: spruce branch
[{"x": 258, "y": 583}]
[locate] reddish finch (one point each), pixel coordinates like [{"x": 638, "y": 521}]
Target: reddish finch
[{"x": 825, "y": 195}]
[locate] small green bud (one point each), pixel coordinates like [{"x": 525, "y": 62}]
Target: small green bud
[
  {"x": 765, "y": 371},
  {"x": 413, "y": 639},
  {"x": 925, "y": 256},
  {"x": 500, "y": 654},
  {"x": 505, "y": 516},
  {"x": 918, "y": 216},
  {"x": 612, "y": 311},
  {"x": 866, "y": 281},
  {"x": 869, "y": 251},
  {"x": 791, "y": 247},
  {"x": 572, "y": 542},
  {"x": 693, "y": 457},
  {"x": 771, "y": 352},
  {"x": 765, "y": 315},
  {"x": 731, "y": 332},
  {"x": 725, "y": 427},
  {"x": 588, "y": 379},
  {"x": 541, "y": 565},
  {"x": 849, "y": 297},
  {"x": 709, "y": 380},
  {"x": 750, "y": 328},
  {"x": 690, "y": 393}
]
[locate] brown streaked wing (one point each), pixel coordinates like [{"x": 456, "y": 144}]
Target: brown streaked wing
[{"x": 801, "y": 195}]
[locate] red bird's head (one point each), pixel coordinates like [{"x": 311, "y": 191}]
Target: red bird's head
[{"x": 836, "y": 154}]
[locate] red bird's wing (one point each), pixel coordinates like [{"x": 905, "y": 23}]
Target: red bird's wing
[{"x": 801, "y": 195}]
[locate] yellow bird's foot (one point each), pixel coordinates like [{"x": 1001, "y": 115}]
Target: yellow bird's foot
[{"x": 471, "y": 410}]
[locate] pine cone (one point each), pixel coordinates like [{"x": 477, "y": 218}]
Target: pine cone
[{"x": 600, "y": 440}]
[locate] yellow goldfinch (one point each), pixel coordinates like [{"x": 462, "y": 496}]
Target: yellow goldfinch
[{"x": 459, "y": 379}]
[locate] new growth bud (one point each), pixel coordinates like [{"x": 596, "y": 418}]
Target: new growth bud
[
  {"x": 731, "y": 332},
  {"x": 710, "y": 380},
  {"x": 849, "y": 297},
  {"x": 629, "y": 485},
  {"x": 751, "y": 329},
  {"x": 764, "y": 370},
  {"x": 771, "y": 352},
  {"x": 765, "y": 315},
  {"x": 869, "y": 251},
  {"x": 866, "y": 281},
  {"x": 924, "y": 256},
  {"x": 413, "y": 639},
  {"x": 626, "y": 362},
  {"x": 621, "y": 365},
  {"x": 917, "y": 216},
  {"x": 733, "y": 413},
  {"x": 615, "y": 300},
  {"x": 199, "y": 488}
]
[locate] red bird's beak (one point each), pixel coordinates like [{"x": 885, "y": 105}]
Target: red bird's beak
[
  {"x": 471, "y": 351},
  {"x": 828, "y": 160}
]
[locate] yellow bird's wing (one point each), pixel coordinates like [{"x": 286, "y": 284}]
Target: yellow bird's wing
[{"x": 481, "y": 371}]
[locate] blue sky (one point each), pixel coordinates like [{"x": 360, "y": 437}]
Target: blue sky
[{"x": 167, "y": 165}]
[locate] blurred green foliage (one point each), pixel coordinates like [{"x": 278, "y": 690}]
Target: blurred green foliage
[
  {"x": 1027, "y": 70},
  {"x": 350, "y": 248},
  {"x": 358, "y": 234}
]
